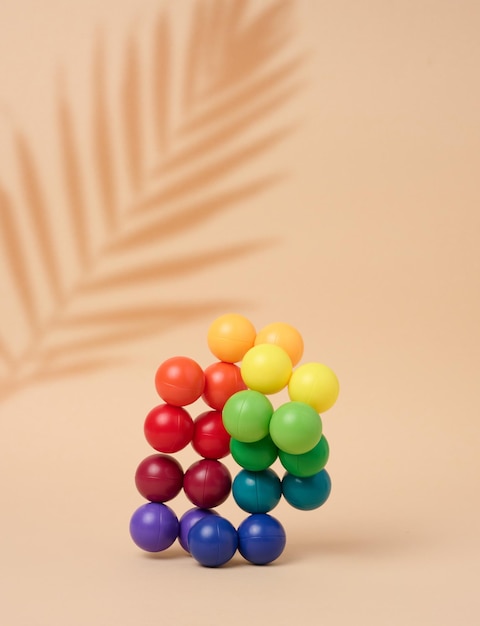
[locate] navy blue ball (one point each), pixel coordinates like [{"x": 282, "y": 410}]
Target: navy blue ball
[
  {"x": 261, "y": 539},
  {"x": 212, "y": 541},
  {"x": 188, "y": 520}
]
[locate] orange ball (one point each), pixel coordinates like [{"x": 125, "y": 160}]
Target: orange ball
[
  {"x": 230, "y": 336},
  {"x": 284, "y": 336},
  {"x": 179, "y": 381}
]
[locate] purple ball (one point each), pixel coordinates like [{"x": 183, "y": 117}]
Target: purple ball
[
  {"x": 154, "y": 527},
  {"x": 188, "y": 520}
]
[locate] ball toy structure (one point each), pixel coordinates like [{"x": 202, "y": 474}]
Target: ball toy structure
[
  {"x": 212, "y": 541},
  {"x": 309, "y": 463},
  {"x": 168, "y": 428},
  {"x": 295, "y": 427},
  {"x": 222, "y": 380},
  {"x": 246, "y": 416},
  {"x": 154, "y": 527},
  {"x": 284, "y": 336},
  {"x": 179, "y": 381},
  {"x": 207, "y": 483},
  {"x": 159, "y": 478},
  {"x": 230, "y": 336},
  {"x": 257, "y": 492},
  {"x": 239, "y": 419},
  {"x": 315, "y": 384},
  {"x": 266, "y": 368},
  {"x": 261, "y": 539},
  {"x": 188, "y": 520},
  {"x": 254, "y": 456},
  {"x": 210, "y": 439},
  {"x": 307, "y": 493}
]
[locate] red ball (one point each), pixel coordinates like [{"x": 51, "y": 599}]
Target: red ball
[
  {"x": 222, "y": 380},
  {"x": 210, "y": 439},
  {"x": 168, "y": 428},
  {"x": 207, "y": 483},
  {"x": 159, "y": 478},
  {"x": 179, "y": 381}
]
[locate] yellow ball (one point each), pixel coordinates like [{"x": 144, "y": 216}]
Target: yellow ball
[
  {"x": 266, "y": 368},
  {"x": 315, "y": 384},
  {"x": 285, "y": 336},
  {"x": 230, "y": 336}
]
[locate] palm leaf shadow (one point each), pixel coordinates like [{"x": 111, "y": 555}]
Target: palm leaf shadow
[
  {"x": 73, "y": 183},
  {"x": 109, "y": 329},
  {"x": 232, "y": 83},
  {"x": 103, "y": 153},
  {"x": 190, "y": 216},
  {"x": 16, "y": 259},
  {"x": 35, "y": 203}
]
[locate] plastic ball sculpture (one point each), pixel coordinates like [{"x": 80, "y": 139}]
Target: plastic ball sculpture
[{"x": 238, "y": 418}]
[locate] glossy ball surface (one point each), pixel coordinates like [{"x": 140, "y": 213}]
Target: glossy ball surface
[
  {"x": 266, "y": 368},
  {"x": 295, "y": 427},
  {"x": 188, "y": 520},
  {"x": 307, "y": 493},
  {"x": 213, "y": 541},
  {"x": 154, "y": 527},
  {"x": 179, "y": 381},
  {"x": 230, "y": 336},
  {"x": 284, "y": 336},
  {"x": 246, "y": 415},
  {"x": 316, "y": 385},
  {"x": 254, "y": 456},
  {"x": 257, "y": 492},
  {"x": 222, "y": 380},
  {"x": 207, "y": 483},
  {"x": 261, "y": 539},
  {"x": 159, "y": 478},
  {"x": 210, "y": 439},
  {"x": 309, "y": 463},
  {"x": 168, "y": 428}
]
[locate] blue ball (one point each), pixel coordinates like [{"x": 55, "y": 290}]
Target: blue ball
[
  {"x": 307, "y": 493},
  {"x": 154, "y": 527},
  {"x": 257, "y": 492},
  {"x": 188, "y": 520},
  {"x": 261, "y": 539},
  {"x": 212, "y": 541}
]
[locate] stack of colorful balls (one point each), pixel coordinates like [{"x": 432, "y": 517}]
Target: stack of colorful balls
[{"x": 241, "y": 420}]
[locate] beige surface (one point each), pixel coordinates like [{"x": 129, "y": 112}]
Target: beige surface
[{"x": 372, "y": 254}]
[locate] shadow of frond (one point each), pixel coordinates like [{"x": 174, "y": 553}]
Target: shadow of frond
[{"x": 237, "y": 71}]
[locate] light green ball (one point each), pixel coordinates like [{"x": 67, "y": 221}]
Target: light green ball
[
  {"x": 295, "y": 427},
  {"x": 246, "y": 415}
]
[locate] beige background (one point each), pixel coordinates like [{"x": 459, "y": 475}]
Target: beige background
[{"x": 367, "y": 242}]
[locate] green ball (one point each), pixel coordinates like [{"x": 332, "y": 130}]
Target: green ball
[
  {"x": 255, "y": 456},
  {"x": 306, "y": 464},
  {"x": 246, "y": 415},
  {"x": 295, "y": 427}
]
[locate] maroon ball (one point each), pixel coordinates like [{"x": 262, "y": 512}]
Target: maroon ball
[
  {"x": 168, "y": 428},
  {"x": 159, "y": 478},
  {"x": 210, "y": 439},
  {"x": 207, "y": 483}
]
